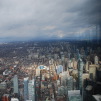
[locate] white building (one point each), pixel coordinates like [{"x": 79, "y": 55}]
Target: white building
[{"x": 14, "y": 99}]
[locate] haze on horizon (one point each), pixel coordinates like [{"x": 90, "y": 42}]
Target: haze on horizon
[{"x": 49, "y": 19}]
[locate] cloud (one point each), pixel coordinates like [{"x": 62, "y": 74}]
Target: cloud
[
  {"x": 49, "y": 27},
  {"x": 47, "y": 18}
]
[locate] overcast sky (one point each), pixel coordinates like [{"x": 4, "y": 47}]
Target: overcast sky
[{"x": 48, "y": 19}]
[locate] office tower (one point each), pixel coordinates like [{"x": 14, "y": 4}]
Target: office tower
[
  {"x": 74, "y": 84},
  {"x": 59, "y": 69},
  {"x": 61, "y": 90},
  {"x": 74, "y": 63},
  {"x": 74, "y": 95},
  {"x": 85, "y": 76},
  {"x": 96, "y": 60},
  {"x": 55, "y": 56},
  {"x": 59, "y": 61},
  {"x": 43, "y": 78},
  {"x": 78, "y": 54},
  {"x": 37, "y": 72},
  {"x": 58, "y": 82},
  {"x": 82, "y": 51},
  {"x": 62, "y": 57},
  {"x": 69, "y": 54},
  {"x": 70, "y": 83},
  {"x": 69, "y": 63},
  {"x": 63, "y": 81},
  {"x": 25, "y": 89},
  {"x": 31, "y": 90},
  {"x": 51, "y": 61},
  {"x": 87, "y": 66},
  {"x": 92, "y": 72},
  {"x": 3, "y": 86},
  {"x": 80, "y": 72},
  {"x": 15, "y": 84}
]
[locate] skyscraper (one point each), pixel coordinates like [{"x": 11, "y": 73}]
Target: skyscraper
[
  {"x": 26, "y": 89},
  {"x": 70, "y": 83},
  {"x": 31, "y": 90},
  {"x": 96, "y": 60},
  {"x": 92, "y": 72},
  {"x": 80, "y": 72},
  {"x": 15, "y": 84}
]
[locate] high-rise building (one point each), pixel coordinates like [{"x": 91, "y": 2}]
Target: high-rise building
[
  {"x": 69, "y": 63},
  {"x": 78, "y": 54},
  {"x": 74, "y": 84},
  {"x": 55, "y": 56},
  {"x": 37, "y": 72},
  {"x": 26, "y": 89},
  {"x": 31, "y": 90},
  {"x": 74, "y": 95},
  {"x": 69, "y": 54},
  {"x": 87, "y": 65},
  {"x": 80, "y": 72},
  {"x": 3, "y": 85},
  {"x": 96, "y": 60},
  {"x": 70, "y": 83},
  {"x": 92, "y": 72},
  {"x": 59, "y": 69},
  {"x": 74, "y": 62},
  {"x": 15, "y": 84},
  {"x": 62, "y": 57}
]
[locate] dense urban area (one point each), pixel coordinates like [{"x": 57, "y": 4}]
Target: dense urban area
[{"x": 50, "y": 71}]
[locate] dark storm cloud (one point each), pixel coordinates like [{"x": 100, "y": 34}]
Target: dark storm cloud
[
  {"x": 89, "y": 17},
  {"x": 92, "y": 11},
  {"x": 92, "y": 14}
]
